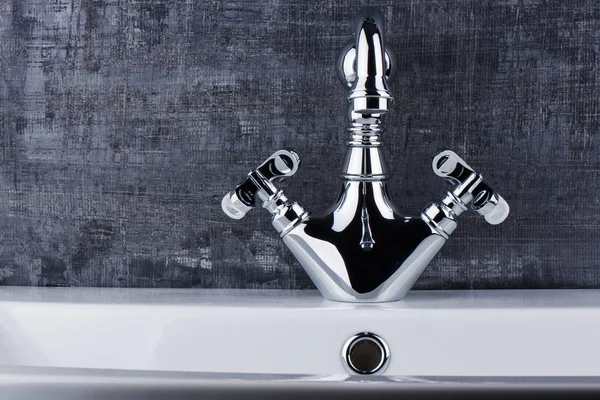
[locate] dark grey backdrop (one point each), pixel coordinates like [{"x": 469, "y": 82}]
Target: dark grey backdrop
[{"x": 123, "y": 123}]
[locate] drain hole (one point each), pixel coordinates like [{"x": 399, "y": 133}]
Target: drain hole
[
  {"x": 365, "y": 356},
  {"x": 366, "y": 353}
]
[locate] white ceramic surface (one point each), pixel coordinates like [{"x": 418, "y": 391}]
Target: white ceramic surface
[{"x": 521, "y": 333}]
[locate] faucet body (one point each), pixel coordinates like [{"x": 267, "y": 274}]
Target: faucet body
[{"x": 362, "y": 249}]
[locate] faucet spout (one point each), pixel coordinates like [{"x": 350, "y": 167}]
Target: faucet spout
[{"x": 369, "y": 93}]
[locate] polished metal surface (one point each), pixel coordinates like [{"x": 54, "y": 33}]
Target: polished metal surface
[
  {"x": 347, "y": 58},
  {"x": 369, "y": 93},
  {"x": 366, "y": 354},
  {"x": 362, "y": 249}
]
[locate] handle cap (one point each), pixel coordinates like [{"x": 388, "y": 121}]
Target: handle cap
[
  {"x": 498, "y": 213},
  {"x": 233, "y": 206}
]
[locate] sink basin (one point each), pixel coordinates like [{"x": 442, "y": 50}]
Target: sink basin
[{"x": 143, "y": 342}]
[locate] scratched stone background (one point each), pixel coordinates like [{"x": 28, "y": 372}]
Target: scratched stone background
[{"x": 123, "y": 123}]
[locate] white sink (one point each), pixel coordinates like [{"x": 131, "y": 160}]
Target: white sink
[{"x": 434, "y": 336}]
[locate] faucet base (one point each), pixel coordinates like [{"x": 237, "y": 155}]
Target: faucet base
[
  {"x": 331, "y": 274},
  {"x": 362, "y": 249}
]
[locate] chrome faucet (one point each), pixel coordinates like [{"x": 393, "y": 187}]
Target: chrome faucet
[{"x": 362, "y": 249}]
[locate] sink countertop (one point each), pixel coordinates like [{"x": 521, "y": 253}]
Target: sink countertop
[{"x": 241, "y": 298}]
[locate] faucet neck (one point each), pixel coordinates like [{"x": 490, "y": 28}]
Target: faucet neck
[
  {"x": 369, "y": 101},
  {"x": 365, "y": 160}
]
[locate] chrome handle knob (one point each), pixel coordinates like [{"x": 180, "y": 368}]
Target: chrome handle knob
[
  {"x": 279, "y": 165},
  {"x": 469, "y": 187},
  {"x": 448, "y": 165}
]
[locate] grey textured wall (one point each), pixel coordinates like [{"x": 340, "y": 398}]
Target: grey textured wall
[{"x": 123, "y": 122}]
